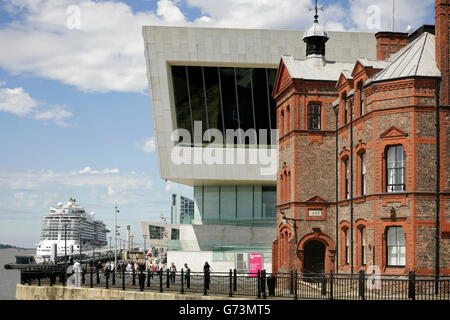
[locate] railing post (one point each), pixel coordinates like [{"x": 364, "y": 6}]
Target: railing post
[
  {"x": 106, "y": 279},
  {"x": 205, "y": 291},
  {"x": 259, "y": 284},
  {"x": 291, "y": 283},
  {"x": 361, "y": 284},
  {"x": 324, "y": 286},
  {"x": 436, "y": 286},
  {"x": 167, "y": 278},
  {"x": 412, "y": 285},
  {"x": 22, "y": 278},
  {"x": 113, "y": 276},
  {"x": 98, "y": 276},
  {"x": 160, "y": 281},
  {"x": 295, "y": 278},
  {"x": 83, "y": 278},
  {"x": 263, "y": 284},
  {"x": 141, "y": 280},
  {"x": 235, "y": 280},
  {"x": 331, "y": 284},
  {"x": 123, "y": 279},
  {"x": 182, "y": 282},
  {"x": 51, "y": 276},
  {"x": 29, "y": 276},
  {"x": 92, "y": 278},
  {"x": 231, "y": 283},
  {"x": 148, "y": 279},
  {"x": 134, "y": 277}
]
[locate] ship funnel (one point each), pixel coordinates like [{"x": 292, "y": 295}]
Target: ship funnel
[{"x": 128, "y": 237}]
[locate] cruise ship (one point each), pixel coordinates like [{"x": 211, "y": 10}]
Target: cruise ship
[{"x": 82, "y": 230}]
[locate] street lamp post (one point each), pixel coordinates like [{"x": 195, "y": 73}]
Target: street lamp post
[
  {"x": 293, "y": 221},
  {"x": 116, "y": 233},
  {"x": 145, "y": 249}
]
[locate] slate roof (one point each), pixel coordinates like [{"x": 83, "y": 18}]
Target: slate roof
[{"x": 416, "y": 59}]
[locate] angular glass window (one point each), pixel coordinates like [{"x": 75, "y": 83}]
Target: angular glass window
[
  {"x": 230, "y": 110},
  {"x": 196, "y": 90},
  {"x": 181, "y": 98},
  {"x": 213, "y": 100},
  {"x": 244, "y": 83}
]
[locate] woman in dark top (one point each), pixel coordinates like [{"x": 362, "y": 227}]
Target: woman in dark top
[{"x": 206, "y": 270}]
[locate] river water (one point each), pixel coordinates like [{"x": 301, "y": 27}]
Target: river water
[{"x": 9, "y": 278}]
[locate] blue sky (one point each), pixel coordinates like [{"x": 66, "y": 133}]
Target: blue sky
[{"x": 75, "y": 115}]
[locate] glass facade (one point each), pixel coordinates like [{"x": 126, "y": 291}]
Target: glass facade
[
  {"x": 224, "y": 98},
  {"x": 236, "y": 205}
]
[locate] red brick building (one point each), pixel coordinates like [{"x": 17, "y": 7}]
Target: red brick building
[{"x": 364, "y": 158}]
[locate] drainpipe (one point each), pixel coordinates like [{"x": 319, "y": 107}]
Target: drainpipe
[
  {"x": 336, "y": 112},
  {"x": 351, "y": 186},
  {"x": 438, "y": 181}
]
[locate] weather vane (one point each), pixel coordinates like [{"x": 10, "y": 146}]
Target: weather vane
[{"x": 316, "y": 9}]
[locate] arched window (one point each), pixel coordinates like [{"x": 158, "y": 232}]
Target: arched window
[
  {"x": 395, "y": 169},
  {"x": 347, "y": 246},
  {"x": 314, "y": 116},
  {"x": 347, "y": 178},
  {"x": 395, "y": 247},
  {"x": 281, "y": 123},
  {"x": 363, "y": 245},
  {"x": 361, "y": 99},
  {"x": 288, "y": 119},
  {"x": 344, "y": 97},
  {"x": 362, "y": 159}
]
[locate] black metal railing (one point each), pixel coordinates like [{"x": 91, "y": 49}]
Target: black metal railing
[{"x": 293, "y": 285}]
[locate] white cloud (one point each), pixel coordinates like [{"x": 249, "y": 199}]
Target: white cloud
[
  {"x": 88, "y": 169},
  {"x": 107, "y": 52},
  {"x": 16, "y": 101},
  {"x": 149, "y": 145}
]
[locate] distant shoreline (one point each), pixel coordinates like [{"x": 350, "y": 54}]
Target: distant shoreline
[{"x": 8, "y": 246}]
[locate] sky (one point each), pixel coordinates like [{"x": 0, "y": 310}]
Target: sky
[{"x": 75, "y": 112}]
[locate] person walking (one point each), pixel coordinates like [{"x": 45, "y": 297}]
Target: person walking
[
  {"x": 173, "y": 272},
  {"x": 207, "y": 270},
  {"x": 187, "y": 275}
]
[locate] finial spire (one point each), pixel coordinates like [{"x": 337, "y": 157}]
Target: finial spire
[
  {"x": 316, "y": 10},
  {"x": 316, "y": 16}
]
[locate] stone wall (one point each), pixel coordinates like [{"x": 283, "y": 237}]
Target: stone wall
[{"x": 24, "y": 292}]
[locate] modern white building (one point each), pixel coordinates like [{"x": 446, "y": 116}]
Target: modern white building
[
  {"x": 223, "y": 79},
  {"x": 181, "y": 210}
]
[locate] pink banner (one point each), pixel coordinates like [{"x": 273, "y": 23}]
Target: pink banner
[{"x": 255, "y": 263}]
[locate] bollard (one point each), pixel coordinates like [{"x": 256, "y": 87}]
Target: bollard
[
  {"x": 123, "y": 279},
  {"x": 231, "y": 283},
  {"x": 259, "y": 284},
  {"x": 167, "y": 279},
  {"x": 182, "y": 282},
  {"x": 160, "y": 281}
]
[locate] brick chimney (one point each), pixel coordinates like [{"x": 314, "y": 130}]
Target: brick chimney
[
  {"x": 389, "y": 43},
  {"x": 442, "y": 50}
]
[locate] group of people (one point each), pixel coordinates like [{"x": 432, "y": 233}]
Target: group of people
[{"x": 154, "y": 268}]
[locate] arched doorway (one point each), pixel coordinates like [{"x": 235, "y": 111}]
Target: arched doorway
[{"x": 314, "y": 257}]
